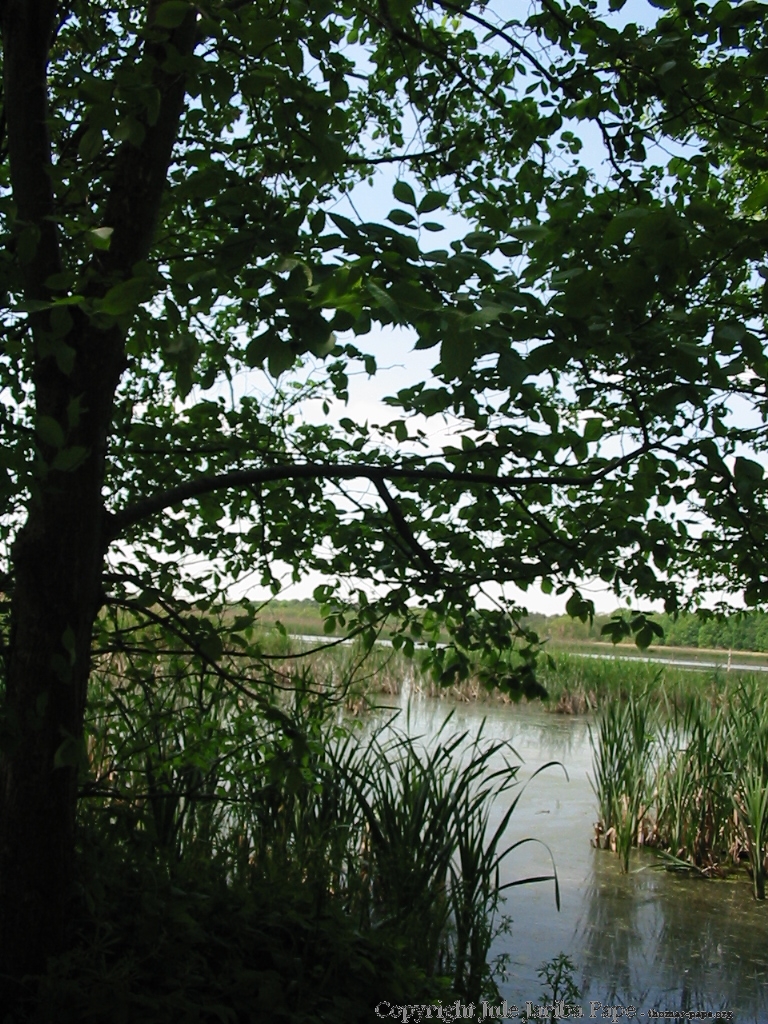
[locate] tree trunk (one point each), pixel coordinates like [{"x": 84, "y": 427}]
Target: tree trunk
[
  {"x": 57, "y": 558},
  {"x": 57, "y": 566}
]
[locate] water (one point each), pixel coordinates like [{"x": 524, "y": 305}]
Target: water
[{"x": 651, "y": 939}]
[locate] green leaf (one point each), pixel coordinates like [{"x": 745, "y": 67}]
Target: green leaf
[
  {"x": 757, "y": 199},
  {"x": 100, "y": 238},
  {"x": 344, "y": 224},
  {"x": 730, "y": 331},
  {"x": 124, "y": 297},
  {"x": 480, "y": 240},
  {"x": 68, "y": 459},
  {"x": 61, "y": 282},
  {"x": 171, "y": 13},
  {"x": 401, "y": 217},
  {"x": 481, "y": 317},
  {"x": 65, "y": 357},
  {"x": 616, "y": 629},
  {"x": 281, "y": 358},
  {"x": 91, "y": 144},
  {"x": 211, "y": 647},
  {"x": 130, "y": 130},
  {"x": 50, "y": 432},
  {"x": 644, "y": 637},
  {"x": 579, "y": 608},
  {"x": 593, "y": 429},
  {"x": 530, "y": 232},
  {"x": 403, "y": 193},
  {"x": 457, "y": 354},
  {"x": 259, "y": 348},
  {"x": 383, "y": 299},
  {"x": 432, "y": 201}
]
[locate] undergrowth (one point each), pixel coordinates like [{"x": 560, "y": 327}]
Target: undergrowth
[{"x": 257, "y": 858}]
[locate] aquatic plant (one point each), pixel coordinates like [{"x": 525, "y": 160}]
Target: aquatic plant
[
  {"x": 202, "y": 783},
  {"x": 749, "y": 743},
  {"x": 622, "y": 746},
  {"x": 692, "y": 783}
]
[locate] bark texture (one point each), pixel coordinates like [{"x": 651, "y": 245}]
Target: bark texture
[{"x": 75, "y": 366}]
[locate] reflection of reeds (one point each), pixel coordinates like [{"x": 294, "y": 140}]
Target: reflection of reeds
[
  {"x": 636, "y": 935},
  {"x": 693, "y": 784}
]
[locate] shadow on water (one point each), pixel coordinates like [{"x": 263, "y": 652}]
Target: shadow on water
[{"x": 651, "y": 939}]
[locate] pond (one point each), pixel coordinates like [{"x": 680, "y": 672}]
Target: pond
[{"x": 651, "y": 939}]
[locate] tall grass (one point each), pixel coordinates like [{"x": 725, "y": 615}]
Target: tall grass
[
  {"x": 575, "y": 683},
  {"x": 198, "y": 796},
  {"x": 578, "y": 683},
  {"x": 692, "y": 782},
  {"x": 622, "y": 744}
]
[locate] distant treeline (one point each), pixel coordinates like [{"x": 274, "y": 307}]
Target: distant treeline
[{"x": 742, "y": 631}]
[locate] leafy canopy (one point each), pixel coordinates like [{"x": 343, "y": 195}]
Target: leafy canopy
[{"x": 598, "y": 333}]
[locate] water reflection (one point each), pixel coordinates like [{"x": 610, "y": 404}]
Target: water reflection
[{"x": 650, "y": 938}]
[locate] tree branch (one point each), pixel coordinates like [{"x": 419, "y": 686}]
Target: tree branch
[
  {"x": 242, "y": 478},
  {"x": 141, "y": 171},
  {"x": 396, "y": 158},
  {"x": 402, "y": 527},
  {"x": 518, "y": 47},
  {"x": 27, "y": 28}
]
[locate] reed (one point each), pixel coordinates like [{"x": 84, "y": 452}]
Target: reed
[
  {"x": 748, "y": 735},
  {"x": 364, "y": 821},
  {"x": 693, "y": 782},
  {"x": 577, "y": 683},
  {"x": 622, "y": 744}
]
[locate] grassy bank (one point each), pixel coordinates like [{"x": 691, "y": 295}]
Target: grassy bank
[
  {"x": 578, "y": 676},
  {"x": 577, "y": 683},
  {"x": 742, "y": 631}
]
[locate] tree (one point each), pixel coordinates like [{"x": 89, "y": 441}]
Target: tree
[{"x": 169, "y": 181}]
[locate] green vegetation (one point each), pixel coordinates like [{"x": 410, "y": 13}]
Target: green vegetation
[
  {"x": 244, "y": 858},
  {"x": 691, "y": 782},
  {"x": 575, "y": 681},
  {"x": 194, "y": 276},
  {"x": 738, "y": 631},
  {"x": 558, "y": 981}
]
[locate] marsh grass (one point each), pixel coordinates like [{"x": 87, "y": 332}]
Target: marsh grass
[
  {"x": 233, "y": 849},
  {"x": 575, "y": 682},
  {"x": 692, "y": 782},
  {"x": 622, "y": 742},
  {"x": 350, "y": 672},
  {"x": 578, "y": 683}
]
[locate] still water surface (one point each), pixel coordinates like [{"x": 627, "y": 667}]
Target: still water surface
[{"x": 650, "y": 938}]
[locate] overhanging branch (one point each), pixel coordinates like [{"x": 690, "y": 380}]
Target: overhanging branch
[
  {"x": 246, "y": 478},
  {"x": 402, "y": 527}
]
